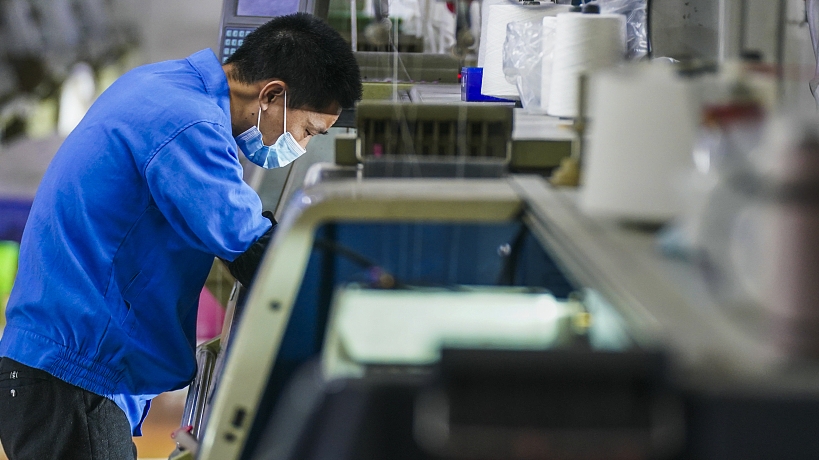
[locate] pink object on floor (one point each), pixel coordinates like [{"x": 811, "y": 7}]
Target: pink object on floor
[{"x": 210, "y": 318}]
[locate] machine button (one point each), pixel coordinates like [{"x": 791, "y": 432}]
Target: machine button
[
  {"x": 241, "y": 34},
  {"x": 240, "y": 42},
  {"x": 227, "y": 42},
  {"x": 233, "y": 42}
]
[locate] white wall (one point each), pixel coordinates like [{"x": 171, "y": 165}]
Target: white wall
[{"x": 173, "y": 29}]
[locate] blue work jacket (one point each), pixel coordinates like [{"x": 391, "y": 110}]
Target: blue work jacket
[{"x": 122, "y": 233}]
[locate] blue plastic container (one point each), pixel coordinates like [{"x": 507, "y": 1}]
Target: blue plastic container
[{"x": 471, "y": 78}]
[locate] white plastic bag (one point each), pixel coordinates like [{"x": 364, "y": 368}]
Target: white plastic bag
[{"x": 523, "y": 60}]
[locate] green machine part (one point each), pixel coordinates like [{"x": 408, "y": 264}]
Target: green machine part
[
  {"x": 446, "y": 130},
  {"x": 9, "y": 254},
  {"x": 433, "y": 130}
]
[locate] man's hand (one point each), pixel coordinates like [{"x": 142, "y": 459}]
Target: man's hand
[{"x": 243, "y": 268}]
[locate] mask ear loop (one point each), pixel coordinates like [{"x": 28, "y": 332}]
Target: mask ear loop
[{"x": 259, "y": 118}]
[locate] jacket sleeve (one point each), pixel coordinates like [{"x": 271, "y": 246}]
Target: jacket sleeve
[
  {"x": 195, "y": 179},
  {"x": 244, "y": 267}
]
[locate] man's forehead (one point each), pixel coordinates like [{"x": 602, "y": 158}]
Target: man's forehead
[
  {"x": 332, "y": 109},
  {"x": 321, "y": 120}
]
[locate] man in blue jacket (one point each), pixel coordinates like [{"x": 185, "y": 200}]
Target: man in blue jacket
[{"x": 128, "y": 217}]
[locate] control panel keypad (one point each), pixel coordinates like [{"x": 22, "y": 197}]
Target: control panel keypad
[{"x": 233, "y": 39}]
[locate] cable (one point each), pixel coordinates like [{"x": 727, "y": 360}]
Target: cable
[{"x": 378, "y": 275}]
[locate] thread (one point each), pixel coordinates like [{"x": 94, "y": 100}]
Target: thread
[
  {"x": 584, "y": 43},
  {"x": 494, "y": 81}
]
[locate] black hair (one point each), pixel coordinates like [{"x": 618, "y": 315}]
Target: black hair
[{"x": 315, "y": 62}]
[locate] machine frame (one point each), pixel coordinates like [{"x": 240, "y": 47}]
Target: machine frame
[
  {"x": 716, "y": 358},
  {"x": 269, "y": 305}
]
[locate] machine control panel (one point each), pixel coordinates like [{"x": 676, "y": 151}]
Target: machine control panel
[
  {"x": 241, "y": 17},
  {"x": 233, "y": 39}
]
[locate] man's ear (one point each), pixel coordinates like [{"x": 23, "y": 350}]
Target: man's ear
[{"x": 272, "y": 90}]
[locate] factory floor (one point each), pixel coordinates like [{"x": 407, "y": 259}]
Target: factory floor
[{"x": 164, "y": 418}]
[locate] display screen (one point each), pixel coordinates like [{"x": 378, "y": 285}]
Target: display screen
[{"x": 266, "y": 8}]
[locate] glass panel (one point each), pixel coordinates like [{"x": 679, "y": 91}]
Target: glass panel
[{"x": 266, "y": 8}]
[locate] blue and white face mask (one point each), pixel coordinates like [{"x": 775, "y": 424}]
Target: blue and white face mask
[{"x": 281, "y": 153}]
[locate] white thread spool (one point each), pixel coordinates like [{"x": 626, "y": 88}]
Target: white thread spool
[
  {"x": 639, "y": 143},
  {"x": 584, "y": 43},
  {"x": 485, "y": 5}
]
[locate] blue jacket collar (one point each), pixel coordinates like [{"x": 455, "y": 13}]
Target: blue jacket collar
[{"x": 209, "y": 68}]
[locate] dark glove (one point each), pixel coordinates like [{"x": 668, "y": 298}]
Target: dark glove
[{"x": 243, "y": 268}]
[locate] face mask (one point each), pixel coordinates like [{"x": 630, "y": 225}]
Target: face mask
[{"x": 282, "y": 153}]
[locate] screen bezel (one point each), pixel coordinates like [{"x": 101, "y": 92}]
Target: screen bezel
[
  {"x": 229, "y": 18},
  {"x": 300, "y": 7}
]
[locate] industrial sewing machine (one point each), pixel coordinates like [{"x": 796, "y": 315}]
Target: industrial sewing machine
[
  {"x": 482, "y": 314},
  {"x": 627, "y": 349}
]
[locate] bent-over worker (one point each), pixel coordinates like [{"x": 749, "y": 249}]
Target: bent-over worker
[{"x": 127, "y": 220}]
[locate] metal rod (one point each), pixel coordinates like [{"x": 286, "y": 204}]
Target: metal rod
[
  {"x": 353, "y": 25},
  {"x": 395, "y": 62},
  {"x": 780, "y": 49}
]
